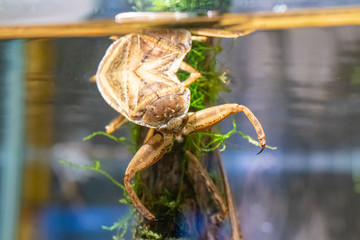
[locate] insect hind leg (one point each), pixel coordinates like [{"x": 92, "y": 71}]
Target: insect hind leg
[
  {"x": 194, "y": 74},
  {"x": 199, "y": 38},
  {"x": 210, "y": 32}
]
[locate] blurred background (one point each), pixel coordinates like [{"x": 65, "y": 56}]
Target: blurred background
[{"x": 302, "y": 83}]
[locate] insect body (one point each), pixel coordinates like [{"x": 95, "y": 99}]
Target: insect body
[{"x": 137, "y": 77}]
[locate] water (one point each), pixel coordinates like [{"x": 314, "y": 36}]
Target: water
[{"x": 303, "y": 84}]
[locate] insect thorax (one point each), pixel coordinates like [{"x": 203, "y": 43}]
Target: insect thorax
[{"x": 167, "y": 112}]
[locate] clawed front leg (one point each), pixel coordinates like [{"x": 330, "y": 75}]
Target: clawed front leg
[
  {"x": 206, "y": 118},
  {"x": 147, "y": 155}
]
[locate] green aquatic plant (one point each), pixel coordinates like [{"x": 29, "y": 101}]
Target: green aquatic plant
[
  {"x": 148, "y": 234},
  {"x": 196, "y": 6},
  {"x": 97, "y": 168},
  {"x": 116, "y": 139},
  {"x": 120, "y": 227},
  {"x": 205, "y": 90}
]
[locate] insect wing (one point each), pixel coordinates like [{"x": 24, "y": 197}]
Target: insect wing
[{"x": 116, "y": 78}]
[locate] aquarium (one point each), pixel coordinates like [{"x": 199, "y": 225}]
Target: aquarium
[{"x": 297, "y": 68}]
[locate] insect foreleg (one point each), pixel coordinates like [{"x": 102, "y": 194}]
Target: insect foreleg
[
  {"x": 206, "y": 118},
  {"x": 147, "y": 155}
]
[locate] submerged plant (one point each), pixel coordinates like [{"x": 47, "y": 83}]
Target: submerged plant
[
  {"x": 120, "y": 227},
  {"x": 196, "y": 6}
]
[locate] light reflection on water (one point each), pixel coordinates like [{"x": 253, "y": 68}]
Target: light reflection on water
[{"x": 303, "y": 85}]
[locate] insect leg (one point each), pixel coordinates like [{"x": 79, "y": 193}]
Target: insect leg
[
  {"x": 149, "y": 134},
  {"x": 200, "y": 178},
  {"x": 206, "y": 118},
  {"x": 114, "y": 37},
  {"x": 116, "y": 123},
  {"x": 93, "y": 78},
  {"x": 147, "y": 155},
  {"x": 198, "y": 38},
  {"x": 209, "y": 32},
  {"x": 194, "y": 74},
  {"x": 234, "y": 221}
]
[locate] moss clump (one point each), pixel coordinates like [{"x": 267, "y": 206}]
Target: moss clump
[{"x": 190, "y": 6}]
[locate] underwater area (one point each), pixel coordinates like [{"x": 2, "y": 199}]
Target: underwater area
[{"x": 302, "y": 83}]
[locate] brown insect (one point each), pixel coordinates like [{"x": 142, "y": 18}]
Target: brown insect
[{"x": 137, "y": 77}]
